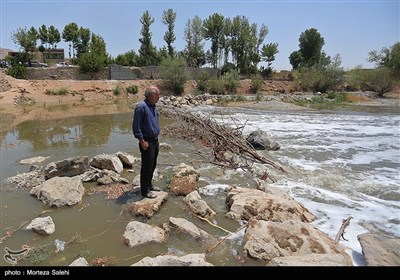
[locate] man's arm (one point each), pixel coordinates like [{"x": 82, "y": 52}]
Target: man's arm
[{"x": 137, "y": 120}]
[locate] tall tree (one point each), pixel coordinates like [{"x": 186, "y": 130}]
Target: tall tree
[
  {"x": 311, "y": 43},
  {"x": 194, "y": 49},
  {"x": 70, "y": 34},
  {"x": 82, "y": 43},
  {"x": 53, "y": 36},
  {"x": 226, "y": 41},
  {"x": 168, "y": 19},
  {"x": 43, "y": 35},
  {"x": 245, "y": 44},
  {"x": 147, "y": 52},
  {"x": 213, "y": 29},
  {"x": 310, "y": 50}
]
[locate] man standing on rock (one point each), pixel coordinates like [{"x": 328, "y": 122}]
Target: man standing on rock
[{"x": 146, "y": 128}]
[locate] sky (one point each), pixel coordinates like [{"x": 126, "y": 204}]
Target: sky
[{"x": 350, "y": 28}]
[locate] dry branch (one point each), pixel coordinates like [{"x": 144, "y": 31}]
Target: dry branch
[
  {"x": 224, "y": 141},
  {"x": 340, "y": 233}
]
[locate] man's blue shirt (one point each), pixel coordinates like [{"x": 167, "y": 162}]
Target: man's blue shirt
[{"x": 145, "y": 121}]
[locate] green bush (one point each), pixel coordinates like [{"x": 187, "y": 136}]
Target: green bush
[
  {"x": 118, "y": 90},
  {"x": 174, "y": 72},
  {"x": 202, "y": 81},
  {"x": 216, "y": 86},
  {"x": 256, "y": 83},
  {"x": 379, "y": 80},
  {"x": 229, "y": 66},
  {"x": 17, "y": 71},
  {"x": 318, "y": 78},
  {"x": 231, "y": 81},
  {"x": 132, "y": 89}
]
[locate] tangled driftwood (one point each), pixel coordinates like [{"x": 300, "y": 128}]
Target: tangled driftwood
[{"x": 224, "y": 141}]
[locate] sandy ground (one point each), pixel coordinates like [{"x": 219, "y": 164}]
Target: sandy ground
[{"x": 22, "y": 100}]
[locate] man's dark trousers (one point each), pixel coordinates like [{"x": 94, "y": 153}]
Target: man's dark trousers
[{"x": 149, "y": 163}]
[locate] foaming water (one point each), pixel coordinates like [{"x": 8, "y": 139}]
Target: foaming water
[{"x": 344, "y": 163}]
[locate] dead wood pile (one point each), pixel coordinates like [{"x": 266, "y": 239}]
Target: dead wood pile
[{"x": 229, "y": 147}]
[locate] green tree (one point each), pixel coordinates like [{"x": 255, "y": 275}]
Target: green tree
[
  {"x": 245, "y": 43},
  {"x": 43, "y": 35},
  {"x": 168, "y": 19},
  {"x": 295, "y": 59},
  {"x": 96, "y": 57},
  {"x": 70, "y": 34},
  {"x": 311, "y": 43},
  {"x": 387, "y": 57},
  {"x": 129, "y": 58},
  {"x": 226, "y": 42},
  {"x": 147, "y": 52},
  {"x": 26, "y": 39},
  {"x": 213, "y": 30},
  {"x": 268, "y": 53},
  {"x": 310, "y": 50},
  {"x": 194, "y": 49},
  {"x": 82, "y": 43},
  {"x": 53, "y": 36}
]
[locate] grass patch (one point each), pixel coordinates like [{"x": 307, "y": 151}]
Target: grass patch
[
  {"x": 60, "y": 91},
  {"x": 328, "y": 100}
]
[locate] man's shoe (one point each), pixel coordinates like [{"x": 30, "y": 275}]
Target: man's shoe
[
  {"x": 149, "y": 195},
  {"x": 155, "y": 189}
]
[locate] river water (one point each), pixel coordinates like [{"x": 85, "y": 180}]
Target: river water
[{"x": 343, "y": 162}]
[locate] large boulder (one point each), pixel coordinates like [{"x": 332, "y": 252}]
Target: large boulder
[{"x": 60, "y": 191}]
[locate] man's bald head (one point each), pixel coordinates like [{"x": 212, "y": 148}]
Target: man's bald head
[{"x": 150, "y": 90}]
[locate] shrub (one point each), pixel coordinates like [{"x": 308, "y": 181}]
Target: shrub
[
  {"x": 202, "y": 81},
  {"x": 132, "y": 89},
  {"x": 17, "y": 71},
  {"x": 175, "y": 72},
  {"x": 318, "y": 78},
  {"x": 256, "y": 83},
  {"x": 231, "y": 81},
  {"x": 229, "y": 66},
  {"x": 216, "y": 86},
  {"x": 379, "y": 80},
  {"x": 118, "y": 90},
  {"x": 259, "y": 96}
]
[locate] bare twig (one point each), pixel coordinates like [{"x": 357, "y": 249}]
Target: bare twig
[
  {"x": 223, "y": 239},
  {"x": 204, "y": 219},
  {"x": 340, "y": 233}
]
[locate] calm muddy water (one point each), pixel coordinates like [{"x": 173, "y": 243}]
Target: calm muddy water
[{"x": 95, "y": 227}]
